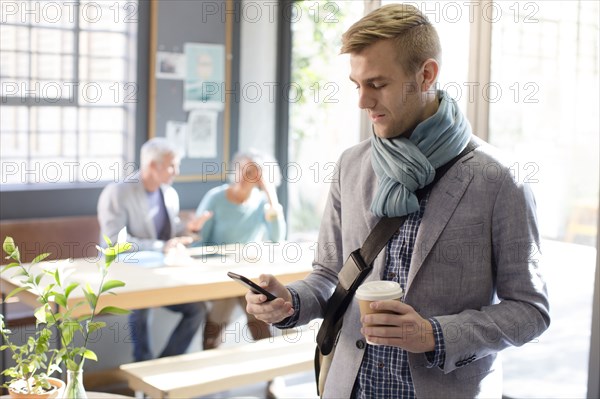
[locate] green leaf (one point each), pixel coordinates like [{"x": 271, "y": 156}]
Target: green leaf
[
  {"x": 9, "y": 245},
  {"x": 15, "y": 292},
  {"x": 21, "y": 272},
  {"x": 40, "y": 257},
  {"x": 109, "y": 285},
  {"x": 61, "y": 300},
  {"x": 16, "y": 255},
  {"x": 94, "y": 326},
  {"x": 70, "y": 289},
  {"x": 56, "y": 275},
  {"x": 122, "y": 247},
  {"x": 113, "y": 310},
  {"x": 107, "y": 240},
  {"x": 109, "y": 259},
  {"x": 71, "y": 365},
  {"x": 9, "y": 266},
  {"x": 40, "y": 314},
  {"x": 72, "y": 308},
  {"x": 88, "y": 354},
  {"x": 92, "y": 299},
  {"x": 84, "y": 318},
  {"x": 38, "y": 278},
  {"x": 68, "y": 330}
]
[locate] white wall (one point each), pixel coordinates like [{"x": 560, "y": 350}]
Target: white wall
[{"x": 258, "y": 76}]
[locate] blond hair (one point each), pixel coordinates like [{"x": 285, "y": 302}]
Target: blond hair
[{"x": 416, "y": 40}]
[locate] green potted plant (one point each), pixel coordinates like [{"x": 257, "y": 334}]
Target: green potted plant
[{"x": 36, "y": 360}]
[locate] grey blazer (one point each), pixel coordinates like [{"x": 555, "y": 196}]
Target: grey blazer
[
  {"x": 474, "y": 268},
  {"x": 125, "y": 204}
]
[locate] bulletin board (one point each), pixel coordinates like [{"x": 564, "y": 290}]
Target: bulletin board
[{"x": 190, "y": 76}]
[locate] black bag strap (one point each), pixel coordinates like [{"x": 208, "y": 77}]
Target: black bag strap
[
  {"x": 360, "y": 263},
  {"x": 354, "y": 271}
]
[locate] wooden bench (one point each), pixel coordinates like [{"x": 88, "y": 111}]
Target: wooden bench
[
  {"x": 64, "y": 237},
  {"x": 215, "y": 370}
]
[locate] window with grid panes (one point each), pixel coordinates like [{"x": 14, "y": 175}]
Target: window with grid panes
[{"x": 67, "y": 90}]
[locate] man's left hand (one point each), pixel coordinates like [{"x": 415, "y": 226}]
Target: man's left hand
[{"x": 403, "y": 328}]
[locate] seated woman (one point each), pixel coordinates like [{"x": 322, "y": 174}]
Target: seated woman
[{"x": 243, "y": 211}]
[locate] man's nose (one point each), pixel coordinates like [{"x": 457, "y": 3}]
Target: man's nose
[{"x": 365, "y": 100}]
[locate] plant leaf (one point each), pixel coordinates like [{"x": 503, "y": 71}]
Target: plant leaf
[
  {"x": 9, "y": 245},
  {"x": 40, "y": 257},
  {"x": 16, "y": 291},
  {"x": 16, "y": 255},
  {"x": 40, "y": 314},
  {"x": 71, "y": 365},
  {"x": 56, "y": 275},
  {"x": 123, "y": 247},
  {"x": 109, "y": 258},
  {"x": 88, "y": 354},
  {"x": 9, "y": 266},
  {"x": 94, "y": 326},
  {"x": 109, "y": 285},
  {"x": 68, "y": 329},
  {"x": 92, "y": 299},
  {"x": 113, "y": 310},
  {"x": 70, "y": 289},
  {"x": 61, "y": 300},
  {"x": 107, "y": 240}
]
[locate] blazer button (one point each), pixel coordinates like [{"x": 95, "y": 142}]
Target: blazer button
[
  {"x": 460, "y": 363},
  {"x": 360, "y": 344}
]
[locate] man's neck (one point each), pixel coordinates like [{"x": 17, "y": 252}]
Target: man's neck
[{"x": 432, "y": 105}]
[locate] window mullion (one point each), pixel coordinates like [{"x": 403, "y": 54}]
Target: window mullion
[{"x": 480, "y": 59}]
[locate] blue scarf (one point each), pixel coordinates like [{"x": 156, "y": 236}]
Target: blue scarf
[{"x": 404, "y": 165}]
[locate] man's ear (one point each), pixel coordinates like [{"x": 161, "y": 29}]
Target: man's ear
[
  {"x": 428, "y": 74},
  {"x": 153, "y": 165}
]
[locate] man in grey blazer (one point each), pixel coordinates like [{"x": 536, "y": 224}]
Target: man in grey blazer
[
  {"x": 147, "y": 205},
  {"x": 465, "y": 256}
]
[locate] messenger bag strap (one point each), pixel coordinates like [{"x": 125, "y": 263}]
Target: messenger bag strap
[{"x": 354, "y": 271}]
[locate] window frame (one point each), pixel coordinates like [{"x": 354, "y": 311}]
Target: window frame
[
  {"x": 34, "y": 101},
  {"x": 21, "y": 201}
]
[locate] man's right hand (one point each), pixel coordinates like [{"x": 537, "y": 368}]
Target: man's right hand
[{"x": 273, "y": 311}]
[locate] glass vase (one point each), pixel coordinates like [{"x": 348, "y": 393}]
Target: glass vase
[{"x": 74, "y": 388}]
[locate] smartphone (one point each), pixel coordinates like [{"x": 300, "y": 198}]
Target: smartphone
[{"x": 251, "y": 285}]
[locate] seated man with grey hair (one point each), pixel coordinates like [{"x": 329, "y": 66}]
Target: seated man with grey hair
[{"x": 147, "y": 205}]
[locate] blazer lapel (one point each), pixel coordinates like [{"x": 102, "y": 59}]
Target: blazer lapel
[{"x": 443, "y": 200}]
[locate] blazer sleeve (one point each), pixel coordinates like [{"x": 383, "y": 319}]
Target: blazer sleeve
[{"x": 521, "y": 311}]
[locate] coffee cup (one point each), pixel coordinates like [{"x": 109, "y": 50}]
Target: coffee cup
[{"x": 376, "y": 291}]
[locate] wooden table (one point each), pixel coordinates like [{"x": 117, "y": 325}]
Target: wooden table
[
  {"x": 196, "y": 274},
  {"x": 91, "y": 395}
]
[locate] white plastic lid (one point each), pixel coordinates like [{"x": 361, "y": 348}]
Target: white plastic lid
[{"x": 379, "y": 291}]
